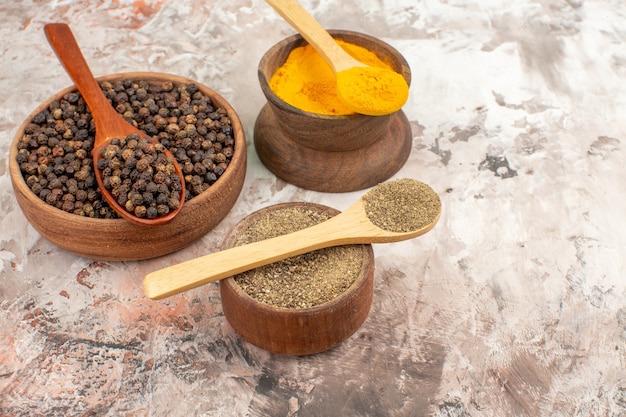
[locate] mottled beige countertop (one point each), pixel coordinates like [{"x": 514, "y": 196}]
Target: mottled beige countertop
[{"x": 514, "y": 305}]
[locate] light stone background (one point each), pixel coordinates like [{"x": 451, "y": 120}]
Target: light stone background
[{"x": 514, "y": 305}]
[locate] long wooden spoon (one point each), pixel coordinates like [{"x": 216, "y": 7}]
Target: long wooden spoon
[
  {"x": 364, "y": 89},
  {"x": 108, "y": 122},
  {"x": 353, "y": 226}
]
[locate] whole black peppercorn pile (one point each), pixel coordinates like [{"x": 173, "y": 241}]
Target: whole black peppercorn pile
[
  {"x": 140, "y": 176},
  {"x": 54, "y": 153}
]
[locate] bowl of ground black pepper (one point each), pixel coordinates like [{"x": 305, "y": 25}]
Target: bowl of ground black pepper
[
  {"x": 305, "y": 304},
  {"x": 52, "y": 174},
  {"x": 305, "y": 135}
]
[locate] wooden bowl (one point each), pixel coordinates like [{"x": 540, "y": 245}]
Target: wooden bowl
[
  {"x": 324, "y": 152},
  {"x": 118, "y": 239},
  {"x": 297, "y": 331}
]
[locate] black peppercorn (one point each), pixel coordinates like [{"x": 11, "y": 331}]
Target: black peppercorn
[{"x": 181, "y": 117}]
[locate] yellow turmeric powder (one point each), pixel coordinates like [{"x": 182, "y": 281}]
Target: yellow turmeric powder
[
  {"x": 371, "y": 90},
  {"x": 308, "y": 83}
]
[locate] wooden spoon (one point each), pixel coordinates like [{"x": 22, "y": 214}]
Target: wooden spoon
[
  {"x": 353, "y": 226},
  {"x": 109, "y": 123},
  {"x": 364, "y": 89}
]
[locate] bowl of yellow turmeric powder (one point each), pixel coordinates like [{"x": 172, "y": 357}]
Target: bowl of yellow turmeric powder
[{"x": 306, "y": 136}]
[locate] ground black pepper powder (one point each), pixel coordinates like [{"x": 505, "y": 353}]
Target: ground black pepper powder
[
  {"x": 301, "y": 281},
  {"x": 402, "y": 205},
  {"x": 54, "y": 154}
]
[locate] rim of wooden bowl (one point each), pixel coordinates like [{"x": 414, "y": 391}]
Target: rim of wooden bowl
[
  {"x": 339, "y": 317},
  {"x": 228, "y": 185}
]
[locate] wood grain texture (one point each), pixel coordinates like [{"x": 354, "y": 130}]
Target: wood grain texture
[
  {"x": 332, "y": 171},
  {"x": 118, "y": 239}
]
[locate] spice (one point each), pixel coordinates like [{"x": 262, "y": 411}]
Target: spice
[
  {"x": 371, "y": 90},
  {"x": 307, "y": 82},
  {"x": 140, "y": 176},
  {"x": 54, "y": 154},
  {"x": 402, "y": 205},
  {"x": 301, "y": 281}
]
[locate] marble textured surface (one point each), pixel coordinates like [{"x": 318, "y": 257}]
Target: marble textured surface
[{"x": 514, "y": 305}]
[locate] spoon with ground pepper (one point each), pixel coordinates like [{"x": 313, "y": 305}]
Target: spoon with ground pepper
[
  {"x": 364, "y": 89},
  {"x": 113, "y": 132},
  {"x": 390, "y": 212}
]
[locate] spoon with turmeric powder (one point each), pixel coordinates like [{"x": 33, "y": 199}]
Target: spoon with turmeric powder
[
  {"x": 364, "y": 89},
  {"x": 390, "y": 212}
]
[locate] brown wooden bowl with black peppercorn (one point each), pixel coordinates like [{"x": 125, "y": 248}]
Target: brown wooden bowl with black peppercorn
[
  {"x": 49, "y": 165},
  {"x": 305, "y": 304},
  {"x": 330, "y": 153}
]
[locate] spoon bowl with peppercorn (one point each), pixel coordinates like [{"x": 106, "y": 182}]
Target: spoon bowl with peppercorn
[
  {"x": 53, "y": 180},
  {"x": 138, "y": 177},
  {"x": 390, "y": 212}
]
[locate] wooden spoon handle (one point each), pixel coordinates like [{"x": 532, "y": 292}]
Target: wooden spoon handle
[
  {"x": 350, "y": 227},
  {"x": 314, "y": 33},
  {"x": 64, "y": 44},
  {"x": 238, "y": 259}
]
